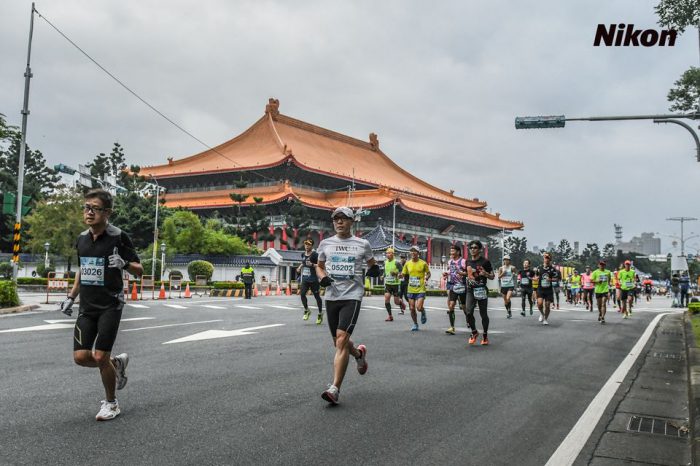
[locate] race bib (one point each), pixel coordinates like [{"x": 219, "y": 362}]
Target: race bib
[
  {"x": 342, "y": 267},
  {"x": 458, "y": 288},
  {"x": 629, "y": 284},
  {"x": 525, "y": 281},
  {"x": 480, "y": 293},
  {"x": 545, "y": 283},
  {"x": 92, "y": 271},
  {"x": 414, "y": 282},
  {"x": 555, "y": 284},
  {"x": 305, "y": 272},
  {"x": 603, "y": 278},
  {"x": 507, "y": 280}
]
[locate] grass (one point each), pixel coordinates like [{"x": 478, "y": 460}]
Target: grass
[{"x": 695, "y": 321}]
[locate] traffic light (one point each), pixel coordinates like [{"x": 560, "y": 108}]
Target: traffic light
[
  {"x": 64, "y": 169},
  {"x": 9, "y": 203},
  {"x": 529, "y": 122}
]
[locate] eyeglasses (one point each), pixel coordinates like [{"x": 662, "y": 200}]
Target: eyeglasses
[
  {"x": 474, "y": 247},
  {"x": 340, "y": 219},
  {"x": 93, "y": 209}
]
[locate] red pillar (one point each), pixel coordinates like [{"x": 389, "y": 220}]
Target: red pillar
[
  {"x": 486, "y": 251},
  {"x": 283, "y": 243},
  {"x": 464, "y": 251},
  {"x": 429, "y": 255},
  {"x": 415, "y": 240},
  {"x": 296, "y": 237},
  {"x": 272, "y": 232},
  {"x": 320, "y": 236}
]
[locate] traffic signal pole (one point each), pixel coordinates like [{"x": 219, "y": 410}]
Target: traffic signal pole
[
  {"x": 22, "y": 153},
  {"x": 559, "y": 121}
]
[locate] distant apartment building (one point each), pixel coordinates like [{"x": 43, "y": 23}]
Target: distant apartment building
[{"x": 645, "y": 244}]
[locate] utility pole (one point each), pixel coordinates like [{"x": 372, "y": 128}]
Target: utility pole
[
  {"x": 22, "y": 153},
  {"x": 682, "y": 220}
]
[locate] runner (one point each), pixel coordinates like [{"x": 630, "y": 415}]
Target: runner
[
  {"x": 525, "y": 278},
  {"x": 588, "y": 286},
  {"x": 392, "y": 284},
  {"x": 602, "y": 278},
  {"x": 103, "y": 252},
  {"x": 507, "y": 274},
  {"x": 616, "y": 291},
  {"x": 575, "y": 288},
  {"x": 648, "y": 288},
  {"x": 535, "y": 284},
  {"x": 404, "y": 283},
  {"x": 456, "y": 285},
  {"x": 418, "y": 273},
  {"x": 627, "y": 284},
  {"x": 479, "y": 270},
  {"x": 309, "y": 280},
  {"x": 555, "y": 288},
  {"x": 339, "y": 268},
  {"x": 545, "y": 294}
]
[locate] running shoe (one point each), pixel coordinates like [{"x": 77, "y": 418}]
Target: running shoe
[
  {"x": 522, "y": 313},
  {"x": 389, "y": 319},
  {"x": 423, "y": 317},
  {"x": 530, "y": 311},
  {"x": 108, "y": 411},
  {"x": 450, "y": 331},
  {"x": 403, "y": 306},
  {"x": 484, "y": 340},
  {"x": 120, "y": 363},
  {"x": 331, "y": 394},
  {"x": 558, "y": 306},
  {"x": 307, "y": 314},
  {"x": 509, "y": 315},
  {"x": 540, "y": 320},
  {"x": 319, "y": 319},
  {"x": 602, "y": 321},
  {"x": 362, "y": 360},
  {"x": 414, "y": 328},
  {"x": 472, "y": 339},
  {"x": 544, "y": 322}
]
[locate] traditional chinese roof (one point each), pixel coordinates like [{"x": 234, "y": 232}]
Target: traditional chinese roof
[
  {"x": 276, "y": 139},
  {"x": 369, "y": 199},
  {"x": 380, "y": 239}
]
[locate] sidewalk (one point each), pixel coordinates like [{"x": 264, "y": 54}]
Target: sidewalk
[{"x": 647, "y": 422}]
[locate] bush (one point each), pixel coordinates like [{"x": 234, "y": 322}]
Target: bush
[
  {"x": 195, "y": 268},
  {"x": 228, "y": 285},
  {"x": 8, "y": 294},
  {"x": 32, "y": 281},
  {"x": 6, "y": 270},
  {"x": 43, "y": 271},
  {"x": 147, "y": 266},
  {"x": 175, "y": 272}
]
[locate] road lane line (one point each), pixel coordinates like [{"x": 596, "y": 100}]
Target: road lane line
[
  {"x": 172, "y": 325},
  {"x": 572, "y": 445},
  {"x": 175, "y": 306},
  {"x": 284, "y": 307},
  {"x": 209, "y": 306},
  {"x": 247, "y": 307},
  {"x": 139, "y": 306}
]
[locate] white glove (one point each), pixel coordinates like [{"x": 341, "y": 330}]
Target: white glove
[
  {"x": 67, "y": 306},
  {"x": 116, "y": 261}
]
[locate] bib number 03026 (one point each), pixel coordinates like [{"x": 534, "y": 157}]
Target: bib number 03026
[{"x": 92, "y": 271}]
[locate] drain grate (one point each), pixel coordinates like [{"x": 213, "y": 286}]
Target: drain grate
[
  {"x": 657, "y": 426},
  {"x": 663, "y": 355},
  {"x": 675, "y": 333}
]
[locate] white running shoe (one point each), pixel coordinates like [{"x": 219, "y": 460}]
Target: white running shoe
[
  {"x": 544, "y": 322},
  {"x": 540, "y": 317},
  {"x": 108, "y": 411},
  {"x": 362, "y": 360},
  {"x": 120, "y": 363},
  {"x": 331, "y": 394}
]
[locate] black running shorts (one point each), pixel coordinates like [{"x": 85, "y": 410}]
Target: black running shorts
[
  {"x": 454, "y": 297},
  {"x": 624, "y": 294},
  {"x": 393, "y": 290},
  {"x": 546, "y": 294},
  {"x": 306, "y": 286},
  {"x": 96, "y": 328},
  {"x": 342, "y": 315}
]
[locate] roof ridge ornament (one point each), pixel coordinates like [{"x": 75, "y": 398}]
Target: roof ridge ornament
[
  {"x": 273, "y": 107},
  {"x": 374, "y": 141}
]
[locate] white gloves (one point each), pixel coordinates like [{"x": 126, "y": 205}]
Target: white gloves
[
  {"x": 67, "y": 306},
  {"x": 116, "y": 261}
]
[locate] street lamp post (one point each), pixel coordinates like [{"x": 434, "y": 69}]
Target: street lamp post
[
  {"x": 155, "y": 228},
  {"x": 46, "y": 256},
  {"x": 682, "y": 220},
  {"x": 162, "y": 260}
]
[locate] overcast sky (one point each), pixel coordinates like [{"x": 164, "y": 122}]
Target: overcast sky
[{"x": 439, "y": 82}]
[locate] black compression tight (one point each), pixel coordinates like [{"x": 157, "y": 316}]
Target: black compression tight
[{"x": 483, "y": 311}]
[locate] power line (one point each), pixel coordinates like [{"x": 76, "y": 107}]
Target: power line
[{"x": 144, "y": 101}]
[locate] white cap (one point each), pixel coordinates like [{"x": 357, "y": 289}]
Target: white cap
[{"x": 347, "y": 211}]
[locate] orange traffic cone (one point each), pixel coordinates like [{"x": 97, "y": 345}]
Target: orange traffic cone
[
  {"x": 288, "y": 292},
  {"x": 267, "y": 291},
  {"x": 134, "y": 293},
  {"x": 279, "y": 290},
  {"x": 188, "y": 294},
  {"x": 161, "y": 295},
  {"x": 255, "y": 290}
]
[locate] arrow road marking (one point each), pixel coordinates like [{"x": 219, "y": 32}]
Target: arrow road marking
[
  {"x": 60, "y": 324},
  {"x": 172, "y": 325},
  {"x": 211, "y": 334}
]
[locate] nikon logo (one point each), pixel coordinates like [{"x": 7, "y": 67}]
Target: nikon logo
[{"x": 625, "y": 35}]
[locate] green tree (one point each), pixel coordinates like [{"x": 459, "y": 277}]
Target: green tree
[
  {"x": 183, "y": 232},
  {"x": 256, "y": 223},
  {"x": 678, "y": 14},
  {"x": 516, "y": 247},
  {"x": 239, "y": 198},
  {"x": 135, "y": 214},
  {"x": 684, "y": 96},
  {"x": 39, "y": 180},
  {"x": 298, "y": 220},
  {"x": 563, "y": 254},
  {"x": 609, "y": 255},
  {"x": 57, "y": 220},
  {"x": 590, "y": 256}
]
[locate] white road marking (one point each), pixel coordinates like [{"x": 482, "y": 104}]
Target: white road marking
[
  {"x": 209, "y": 306},
  {"x": 211, "y": 334},
  {"x": 572, "y": 445},
  {"x": 138, "y": 306},
  {"x": 59, "y": 324},
  {"x": 175, "y": 306},
  {"x": 247, "y": 307},
  {"x": 283, "y": 307},
  {"x": 172, "y": 325},
  {"x": 374, "y": 307}
]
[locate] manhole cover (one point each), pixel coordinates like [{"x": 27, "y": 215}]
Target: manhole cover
[
  {"x": 657, "y": 426},
  {"x": 667, "y": 355}
]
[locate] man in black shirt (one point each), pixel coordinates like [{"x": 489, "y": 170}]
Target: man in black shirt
[
  {"x": 545, "y": 293},
  {"x": 309, "y": 280},
  {"x": 525, "y": 281},
  {"x": 479, "y": 271},
  {"x": 103, "y": 252}
]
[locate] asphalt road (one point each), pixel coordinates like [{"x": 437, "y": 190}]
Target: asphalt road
[{"x": 254, "y": 397}]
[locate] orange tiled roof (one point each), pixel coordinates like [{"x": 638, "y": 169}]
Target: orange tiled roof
[
  {"x": 276, "y": 138},
  {"x": 372, "y": 198}
]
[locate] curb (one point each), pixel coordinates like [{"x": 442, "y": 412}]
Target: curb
[
  {"x": 693, "y": 358},
  {"x": 18, "y": 309}
]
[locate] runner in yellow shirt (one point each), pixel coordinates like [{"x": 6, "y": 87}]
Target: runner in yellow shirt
[{"x": 418, "y": 272}]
